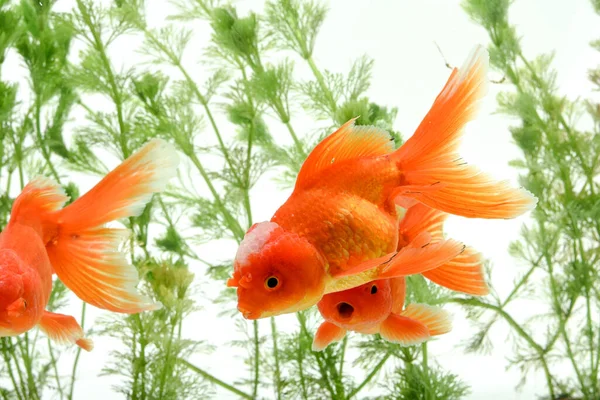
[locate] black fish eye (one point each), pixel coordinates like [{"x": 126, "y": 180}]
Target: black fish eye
[
  {"x": 272, "y": 282},
  {"x": 373, "y": 289}
]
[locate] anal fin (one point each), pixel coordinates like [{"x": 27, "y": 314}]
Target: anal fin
[{"x": 64, "y": 329}]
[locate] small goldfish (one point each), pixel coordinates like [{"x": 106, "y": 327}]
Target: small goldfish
[
  {"x": 42, "y": 238},
  {"x": 377, "y": 307},
  {"x": 339, "y": 227}
]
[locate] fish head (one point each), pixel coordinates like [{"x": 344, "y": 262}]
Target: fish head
[
  {"x": 358, "y": 308},
  {"x": 20, "y": 295},
  {"x": 276, "y": 272}
]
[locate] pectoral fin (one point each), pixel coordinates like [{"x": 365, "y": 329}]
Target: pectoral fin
[
  {"x": 326, "y": 334},
  {"x": 16, "y": 308},
  {"x": 403, "y": 330}
]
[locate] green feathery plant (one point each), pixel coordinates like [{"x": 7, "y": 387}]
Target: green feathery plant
[
  {"x": 559, "y": 249},
  {"x": 234, "y": 125},
  {"x": 124, "y": 107}
]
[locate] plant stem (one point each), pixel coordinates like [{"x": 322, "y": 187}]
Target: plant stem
[
  {"x": 318, "y": 356},
  {"x": 216, "y": 381},
  {"x": 232, "y": 223},
  {"x": 368, "y": 378},
  {"x": 177, "y": 63},
  {"x": 343, "y": 351},
  {"x": 322, "y": 84},
  {"x": 55, "y": 367},
  {"x": 115, "y": 92},
  {"x": 40, "y": 139},
  {"x": 78, "y": 353},
  {"x": 6, "y": 357},
  {"x": 256, "y": 359},
  {"x": 519, "y": 330},
  {"x": 277, "y": 377}
]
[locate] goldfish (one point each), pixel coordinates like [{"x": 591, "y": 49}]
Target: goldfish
[
  {"x": 377, "y": 307},
  {"x": 339, "y": 227},
  {"x": 42, "y": 238}
]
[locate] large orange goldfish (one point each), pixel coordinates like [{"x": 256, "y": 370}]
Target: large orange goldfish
[
  {"x": 43, "y": 238},
  {"x": 377, "y": 307},
  {"x": 339, "y": 228}
]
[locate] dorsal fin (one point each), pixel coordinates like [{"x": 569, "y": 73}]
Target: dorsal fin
[
  {"x": 41, "y": 195},
  {"x": 348, "y": 142}
]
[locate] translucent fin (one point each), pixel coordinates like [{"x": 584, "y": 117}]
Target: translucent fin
[
  {"x": 463, "y": 274},
  {"x": 418, "y": 257},
  {"x": 86, "y": 256},
  {"x": 429, "y": 158},
  {"x": 39, "y": 197},
  {"x": 346, "y": 143},
  {"x": 326, "y": 334},
  {"x": 403, "y": 330},
  {"x": 64, "y": 329},
  {"x": 435, "y": 319}
]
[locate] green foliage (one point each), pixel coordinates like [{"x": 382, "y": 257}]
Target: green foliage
[
  {"x": 252, "y": 83},
  {"x": 559, "y": 251}
]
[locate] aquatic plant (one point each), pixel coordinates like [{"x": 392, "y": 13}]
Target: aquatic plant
[
  {"x": 558, "y": 251},
  {"x": 240, "y": 120}
]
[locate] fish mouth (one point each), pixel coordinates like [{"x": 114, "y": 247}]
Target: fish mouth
[
  {"x": 248, "y": 314},
  {"x": 345, "y": 310}
]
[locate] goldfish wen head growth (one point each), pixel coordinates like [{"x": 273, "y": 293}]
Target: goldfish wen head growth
[{"x": 276, "y": 272}]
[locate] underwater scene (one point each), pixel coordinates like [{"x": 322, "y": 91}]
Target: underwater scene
[{"x": 299, "y": 199}]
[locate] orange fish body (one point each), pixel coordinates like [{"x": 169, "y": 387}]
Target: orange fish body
[
  {"x": 342, "y": 211},
  {"x": 42, "y": 238},
  {"x": 347, "y": 221},
  {"x": 25, "y": 279},
  {"x": 377, "y": 307}
]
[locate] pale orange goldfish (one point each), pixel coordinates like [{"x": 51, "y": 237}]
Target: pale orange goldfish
[
  {"x": 377, "y": 307},
  {"x": 43, "y": 238},
  {"x": 339, "y": 228}
]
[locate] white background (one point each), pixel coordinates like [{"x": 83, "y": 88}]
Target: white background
[{"x": 408, "y": 74}]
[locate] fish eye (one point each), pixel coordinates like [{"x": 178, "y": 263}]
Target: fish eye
[
  {"x": 373, "y": 289},
  {"x": 271, "y": 282}
]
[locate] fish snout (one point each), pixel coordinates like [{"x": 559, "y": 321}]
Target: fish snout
[
  {"x": 248, "y": 314},
  {"x": 345, "y": 310}
]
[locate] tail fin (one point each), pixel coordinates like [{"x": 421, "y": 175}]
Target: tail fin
[
  {"x": 434, "y": 172},
  {"x": 464, "y": 273},
  {"x": 85, "y": 255}
]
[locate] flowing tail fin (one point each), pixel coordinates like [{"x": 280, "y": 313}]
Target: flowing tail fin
[
  {"x": 464, "y": 273},
  {"x": 434, "y": 172},
  {"x": 84, "y": 254}
]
